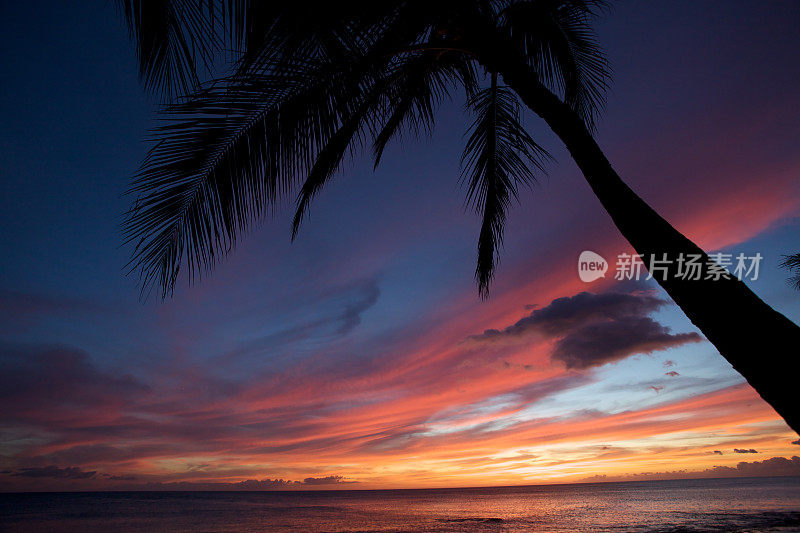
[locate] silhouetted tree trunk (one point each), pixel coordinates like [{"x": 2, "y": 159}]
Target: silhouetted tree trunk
[{"x": 760, "y": 343}]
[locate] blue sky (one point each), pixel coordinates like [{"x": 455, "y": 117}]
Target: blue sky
[{"x": 370, "y": 307}]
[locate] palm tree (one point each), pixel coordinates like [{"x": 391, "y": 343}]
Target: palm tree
[{"x": 313, "y": 82}]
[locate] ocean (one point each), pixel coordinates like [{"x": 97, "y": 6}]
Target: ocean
[{"x": 744, "y": 504}]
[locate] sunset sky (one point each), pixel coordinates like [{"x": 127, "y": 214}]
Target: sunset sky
[{"x": 361, "y": 356}]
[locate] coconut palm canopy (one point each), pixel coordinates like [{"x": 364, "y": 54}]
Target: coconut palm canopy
[{"x": 313, "y": 83}]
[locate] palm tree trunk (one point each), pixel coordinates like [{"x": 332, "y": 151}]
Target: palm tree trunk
[{"x": 760, "y": 343}]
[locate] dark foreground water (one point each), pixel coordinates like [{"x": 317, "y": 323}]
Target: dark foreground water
[{"x": 763, "y": 504}]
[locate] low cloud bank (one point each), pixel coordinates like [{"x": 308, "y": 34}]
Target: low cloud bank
[
  {"x": 256, "y": 484},
  {"x": 776, "y": 466},
  {"x": 73, "y": 474},
  {"x": 54, "y": 472}
]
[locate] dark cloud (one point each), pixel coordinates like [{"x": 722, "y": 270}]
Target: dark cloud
[
  {"x": 264, "y": 484},
  {"x": 717, "y": 452},
  {"x": 563, "y": 315},
  {"x": 367, "y": 296},
  {"x": 594, "y": 329},
  {"x": 327, "y": 480},
  {"x": 776, "y": 466},
  {"x": 796, "y": 442},
  {"x": 54, "y": 472},
  {"x": 668, "y": 363},
  {"x": 672, "y": 374},
  {"x": 738, "y": 450},
  {"x": 54, "y": 383},
  {"x": 603, "y": 342},
  {"x": 130, "y": 482},
  {"x": 250, "y": 484}
]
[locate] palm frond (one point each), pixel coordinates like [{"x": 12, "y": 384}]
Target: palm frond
[
  {"x": 314, "y": 81},
  {"x": 558, "y": 40},
  {"x": 792, "y": 263},
  {"x": 221, "y": 158},
  {"x": 424, "y": 81},
  {"x": 498, "y": 158},
  {"x": 175, "y": 42},
  {"x": 332, "y": 153},
  {"x": 232, "y": 149},
  {"x": 269, "y": 33},
  {"x": 408, "y": 96}
]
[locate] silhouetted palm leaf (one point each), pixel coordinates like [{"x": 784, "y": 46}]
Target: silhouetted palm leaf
[
  {"x": 560, "y": 44},
  {"x": 312, "y": 82},
  {"x": 423, "y": 83},
  {"x": 792, "y": 263},
  {"x": 222, "y": 157},
  {"x": 498, "y": 157},
  {"x": 175, "y": 39}
]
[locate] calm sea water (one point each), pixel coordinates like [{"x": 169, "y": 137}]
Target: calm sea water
[{"x": 763, "y": 504}]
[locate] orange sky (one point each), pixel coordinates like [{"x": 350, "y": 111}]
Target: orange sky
[{"x": 361, "y": 356}]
